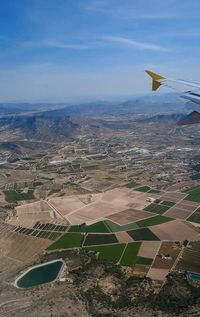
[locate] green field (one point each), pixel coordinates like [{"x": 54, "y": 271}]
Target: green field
[
  {"x": 168, "y": 203},
  {"x": 154, "y": 191},
  {"x": 144, "y": 261},
  {"x": 96, "y": 227},
  {"x": 193, "y": 194},
  {"x": 96, "y": 239},
  {"x": 131, "y": 184},
  {"x": 27, "y": 231},
  {"x": 114, "y": 227},
  {"x": 13, "y": 196},
  {"x": 188, "y": 190},
  {"x": 195, "y": 217},
  {"x": 143, "y": 234},
  {"x": 111, "y": 252},
  {"x": 158, "y": 209},
  {"x": 156, "y": 220},
  {"x": 130, "y": 254},
  {"x": 143, "y": 189},
  {"x": 29, "y": 195},
  {"x": 67, "y": 241}
]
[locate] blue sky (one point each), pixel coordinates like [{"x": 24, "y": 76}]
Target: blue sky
[{"x": 75, "y": 49}]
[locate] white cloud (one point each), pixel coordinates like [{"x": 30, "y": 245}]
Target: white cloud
[
  {"x": 134, "y": 11},
  {"x": 48, "y": 43},
  {"x": 135, "y": 44}
]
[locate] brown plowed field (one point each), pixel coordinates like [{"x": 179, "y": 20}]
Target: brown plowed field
[
  {"x": 123, "y": 237},
  {"x": 149, "y": 249},
  {"x": 157, "y": 274},
  {"x": 167, "y": 255},
  {"x": 173, "y": 196},
  {"x": 178, "y": 213},
  {"x": 129, "y": 215},
  {"x": 176, "y": 230}
]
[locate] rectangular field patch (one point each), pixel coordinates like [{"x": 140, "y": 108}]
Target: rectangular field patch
[
  {"x": 67, "y": 241},
  {"x": 143, "y": 234},
  {"x": 111, "y": 252},
  {"x": 130, "y": 254},
  {"x": 97, "y": 239},
  {"x": 153, "y": 221}
]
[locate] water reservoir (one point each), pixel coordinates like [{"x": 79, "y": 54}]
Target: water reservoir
[
  {"x": 194, "y": 276},
  {"x": 40, "y": 274}
]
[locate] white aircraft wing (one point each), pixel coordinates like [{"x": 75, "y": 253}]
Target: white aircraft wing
[{"x": 190, "y": 91}]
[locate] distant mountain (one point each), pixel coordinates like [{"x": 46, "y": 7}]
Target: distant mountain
[
  {"x": 40, "y": 126},
  {"x": 51, "y": 122},
  {"x": 172, "y": 117},
  {"x": 150, "y": 103},
  {"x": 192, "y": 118}
]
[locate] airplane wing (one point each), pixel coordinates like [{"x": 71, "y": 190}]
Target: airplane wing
[{"x": 190, "y": 90}]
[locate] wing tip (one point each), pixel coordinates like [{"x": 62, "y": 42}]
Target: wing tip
[{"x": 156, "y": 78}]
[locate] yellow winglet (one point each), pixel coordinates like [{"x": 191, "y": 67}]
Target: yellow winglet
[{"x": 156, "y": 78}]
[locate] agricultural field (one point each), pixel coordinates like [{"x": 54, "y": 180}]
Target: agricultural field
[
  {"x": 143, "y": 234},
  {"x": 173, "y": 196},
  {"x": 114, "y": 227},
  {"x": 128, "y": 216},
  {"x": 123, "y": 237},
  {"x": 167, "y": 255},
  {"x": 45, "y": 234},
  {"x": 129, "y": 257},
  {"x": 154, "y": 191},
  {"x": 143, "y": 261},
  {"x": 98, "y": 227},
  {"x": 98, "y": 239},
  {"x": 131, "y": 184},
  {"x": 178, "y": 213},
  {"x": 195, "y": 217},
  {"x": 167, "y": 203},
  {"x": 67, "y": 241},
  {"x": 143, "y": 189},
  {"x": 190, "y": 258},
  {"x": 193, "y": 194},
  {"x": 111, "y": 252},
  {"x": 158, "y": 209},
  {"x": 176, "y": 230},
  {"x": 118, "y": 225},
  {"x": 13, "y": 196},
  {"x": 149, "y": 249},
  {"x": 156, "y": 220}
]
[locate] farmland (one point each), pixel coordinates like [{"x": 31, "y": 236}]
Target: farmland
[
  {"x": 13, "y": 196},
  {"x": 119, "y": 225},
  {"x": 144, "y": 261},
  {"x": 130, "y": 254},
  {"x": 114, "y": 227},
  {"x": 195, "y": 217},
  {"x": 97, "y": 239},
  {"x": 143, "y": 189},
  {"x": 67, "y": 241},
  {"x": 193, "y": 194},
  {"x": 100, "y": 227},
  {"x": 111, "y": 252},
  {"x": 109, "y": 199},
  {"x": 167, "y": 255},
  {"x": 143, "y": 234},
  {"x": 190, "y": 258},
  {"x": 153, "y": 221},
  {"x": 158, "y": 209}
]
